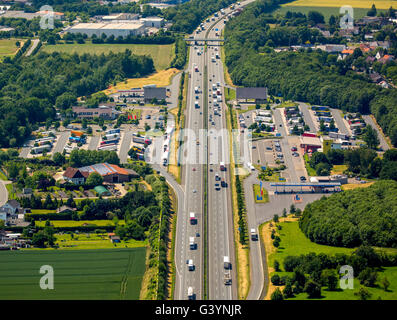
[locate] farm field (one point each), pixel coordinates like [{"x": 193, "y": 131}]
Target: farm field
[
  {"x": 8, "y": 47},
  {"x": 161, "y": 54},
  {"x": 328, "y": 9},
  {"x": 294, "y": 242},
  {"x": 80, "y": 274},
  {"x": 380, "y": 4}
]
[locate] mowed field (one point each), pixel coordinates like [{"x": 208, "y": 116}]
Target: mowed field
[
  {"x": 161, "y": 54},
  {"x": 8, "y": 47},
  {"x": 82, "y": 274}
]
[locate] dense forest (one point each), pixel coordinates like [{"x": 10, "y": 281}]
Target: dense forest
[
  {"x": 312, "y": 76},
  {"x": 30, "y": 87},
  {"x": 362, "y": 216}
]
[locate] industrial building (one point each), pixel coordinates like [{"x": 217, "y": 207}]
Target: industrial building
[{"x": 124, "y": 29}]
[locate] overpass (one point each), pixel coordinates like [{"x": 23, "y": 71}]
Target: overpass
[{"x": 204, "y": 40}]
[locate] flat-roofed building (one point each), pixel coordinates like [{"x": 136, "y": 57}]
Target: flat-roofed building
[
  {"x": 154, "y": 93},
  {"x": 259, "y": 94},
  {"x": 105, "y": 112},
  {"x": 310, "y": 144},
  {"x": 152, "y": 22},
  {"x": 109, "y": 29}
]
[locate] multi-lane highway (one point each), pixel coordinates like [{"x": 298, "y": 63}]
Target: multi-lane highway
[
  {"x": 203, "y": 179},
  {"x": 220, "y": 231},
  {"x": 194, "y": 189}
]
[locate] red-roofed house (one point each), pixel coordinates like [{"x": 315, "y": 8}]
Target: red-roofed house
[{"x": 110, "y": 173}]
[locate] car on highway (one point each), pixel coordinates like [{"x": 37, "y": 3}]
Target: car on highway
[
  {"x": 217, "y": 187},
  {"x": 223, "y": 184},
  {"x": 194, "y": 169},
  {"x": 194, "y": 190},
  {"x": 217, "y": 177}
]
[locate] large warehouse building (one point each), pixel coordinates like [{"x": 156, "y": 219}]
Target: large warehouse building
[{"x": 109, "y": 29}]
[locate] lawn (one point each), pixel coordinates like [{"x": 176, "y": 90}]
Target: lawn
[
  {"x": 310, "y": 171},
  {"x": 8, "y": 47},
  {"x": 294, "y": 243},
  {"x": 162, "y": 55},
  {"x": 257, "y": 192},
  {"x": 338, "y": 169},
  {"x": 79, "y": 274}
]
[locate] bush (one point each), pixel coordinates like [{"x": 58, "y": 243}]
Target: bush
[{"x": 275, "y": 279}]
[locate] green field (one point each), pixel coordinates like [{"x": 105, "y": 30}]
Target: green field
[
  {"x": 8, "y": 47},
  {"x": 310, "y": 171},
  {"x": 294, "y": 243},
  {"x": 82, "y": 274},
  {"x": 161, "y": 54}
]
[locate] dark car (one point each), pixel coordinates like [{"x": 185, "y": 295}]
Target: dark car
[
  {"x": 303, "y": 178},
  {"x": 223, "y": 184}
]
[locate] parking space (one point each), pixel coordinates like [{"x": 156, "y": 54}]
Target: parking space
[{"x": 264, "y": 153}]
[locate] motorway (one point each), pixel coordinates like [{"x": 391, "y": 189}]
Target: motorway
[
  {"x": 194, "y": 191},
  {"x": 220, "y": 214}
]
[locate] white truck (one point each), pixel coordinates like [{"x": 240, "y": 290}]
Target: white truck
[
  {"x": 193, "y": 219},
  {"x": 196, "y": 104},
  {"x": 226, "y": 262},
  {"x": 196, "y": 90},
  {"x": 190, "y": 265},
  {"x": 190, "y": 293},
  {"x": 192, "y": 244},
  {"x": 213, "y": 59},
  {"x": 254, "y": 235}
]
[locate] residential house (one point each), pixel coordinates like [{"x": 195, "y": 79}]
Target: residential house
[
  {"x": 386, "y": 58},
  {"x": 74, "y": 176}
]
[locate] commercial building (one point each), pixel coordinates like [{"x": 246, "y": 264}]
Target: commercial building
[
  {"x": 259, "y": 94},
  {"x": 109, "y": 29},
  {"x": 155, "y": 93},
  {"x": 310, "y": 144},
  {"x": 106, "y": 112}
]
